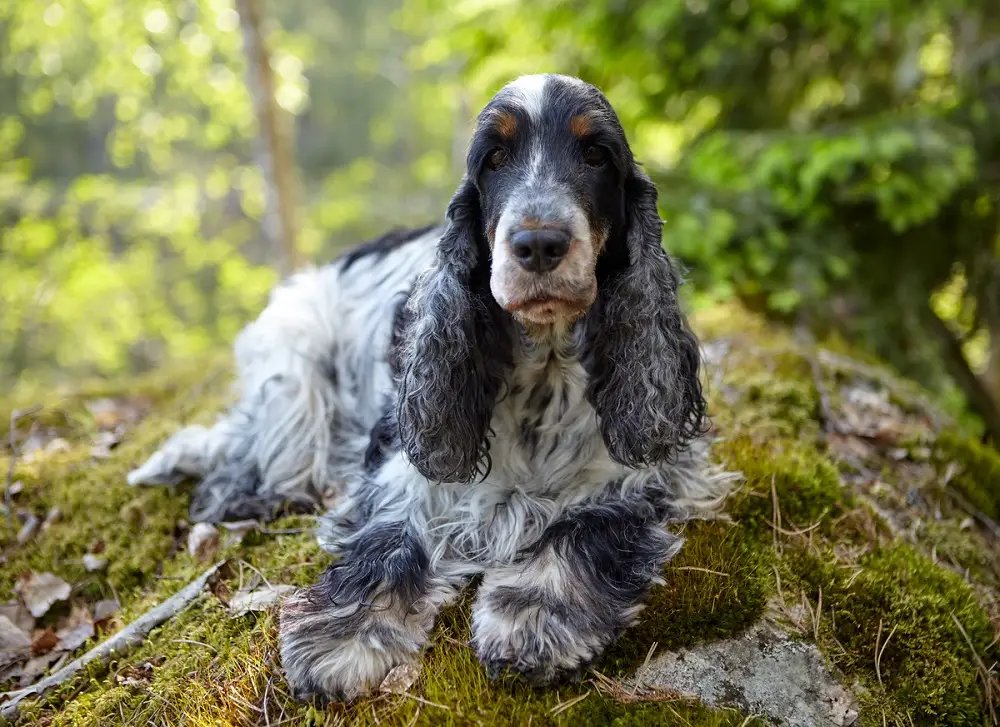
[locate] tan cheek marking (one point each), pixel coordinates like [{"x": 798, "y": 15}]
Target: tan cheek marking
[
  {"x": 579, "y": 125},
  {"x": 506, "y": 124},
  {"x": 599, "y": 238}
]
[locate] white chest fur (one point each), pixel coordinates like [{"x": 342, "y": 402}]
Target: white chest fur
[{"x": 546, "y": 454}]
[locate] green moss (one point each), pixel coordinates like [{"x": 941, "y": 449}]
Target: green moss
[
  {"x": 135, "y": 529},
  {"x": 716, "y": 587},
  {"x": 804, "y": 483},
  {"x": 961, "y": 547},
  {"x": 209, "y": 668},
  {"x": 978, "y": 478},
  {"x": 899, "y": 604},
  {"x": 784, "y": 407}
]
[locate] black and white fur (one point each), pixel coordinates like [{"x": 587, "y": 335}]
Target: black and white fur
[{"x": 469, "y": 416}]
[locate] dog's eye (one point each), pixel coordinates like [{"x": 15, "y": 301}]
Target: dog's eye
[
  {"x": 497, "y": 158},
  {"x": 595, "y": 156}
]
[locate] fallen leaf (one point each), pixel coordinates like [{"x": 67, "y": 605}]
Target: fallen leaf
[
  {"x": 203, "y": 541},
  {"x": 103, "y": 610},
  {"x": 93, "y": 563},
  {"x": 75, "y": 629},
  {"x": 112, "y": 413},
  {"x": 259, "y": 599},
  {"x": 44, "y": 641},
  {"x": 400, "y": 679},
  {"x": 28, "y": 530},
  {"x": 18, "y": 615},
  {"x": 139, "y": 675},
  {"x": 73, "y": 639},
  {"x": 15, "y": 644},
  {"x": 37, "y": 665},
  {"x": 39, "y": 591}
]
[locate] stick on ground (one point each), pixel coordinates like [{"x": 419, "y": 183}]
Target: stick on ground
[{"x": 132, "y": 635}]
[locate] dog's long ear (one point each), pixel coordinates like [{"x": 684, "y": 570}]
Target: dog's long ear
[
  {"x": 640, "y": 355},
  {"x": 455, "y": 349}
]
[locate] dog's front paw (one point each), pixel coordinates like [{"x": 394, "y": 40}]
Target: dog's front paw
[
  {"x": 545, "y": 642},
  {"x": 338, "y": 652}
]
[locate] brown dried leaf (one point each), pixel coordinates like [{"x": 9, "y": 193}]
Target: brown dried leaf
[
  {"x": 44, "y": 641},
  {"x": 139, "y": 675},
  {"x": 203, "y": 541},
  {"x": 400, "y": 679}
]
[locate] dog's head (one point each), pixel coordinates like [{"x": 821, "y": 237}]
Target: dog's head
[
  {"x": 549, "y": 161},
  {"x": 553, "y": 224}
]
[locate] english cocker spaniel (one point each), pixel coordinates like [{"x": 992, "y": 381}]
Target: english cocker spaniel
[{"x": 513, "y": 394}]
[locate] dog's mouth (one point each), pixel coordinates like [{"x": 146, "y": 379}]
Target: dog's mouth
[{"x": 540, "y": 310}]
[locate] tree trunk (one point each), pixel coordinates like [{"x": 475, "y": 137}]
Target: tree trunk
[
  {"x": 981, "y": 399},
  {"x": 274, "y": 145}
]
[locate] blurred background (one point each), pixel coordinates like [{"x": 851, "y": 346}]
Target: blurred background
[{"x": 163, "y": 163}]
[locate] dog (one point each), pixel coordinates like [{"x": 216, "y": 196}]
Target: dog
[{"x": 512, "y": 395}]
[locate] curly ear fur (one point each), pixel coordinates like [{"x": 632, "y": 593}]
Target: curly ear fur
[
  {"x": 454, "y": 352},
  {"x": 641, "y": 357}
]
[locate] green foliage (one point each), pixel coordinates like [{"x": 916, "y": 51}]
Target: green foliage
[
  {"x": 130, "y": 195},
  {"x": 803, "y": 151}
]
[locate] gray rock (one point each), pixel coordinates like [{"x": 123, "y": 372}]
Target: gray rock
[{"x": 762, "y": 672}]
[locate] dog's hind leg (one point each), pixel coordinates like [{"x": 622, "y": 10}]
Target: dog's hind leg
[{"x": 272, "y": 448}]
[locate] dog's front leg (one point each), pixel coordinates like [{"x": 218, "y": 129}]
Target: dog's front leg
[
  {"x": 372, "y": 610},
  {"x": 555, "y": 611}
]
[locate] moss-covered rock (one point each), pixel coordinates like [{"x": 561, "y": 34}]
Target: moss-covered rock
[{"x": 857, "y": 525}]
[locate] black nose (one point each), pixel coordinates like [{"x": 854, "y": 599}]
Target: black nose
[{"x": 540, "y": 251}]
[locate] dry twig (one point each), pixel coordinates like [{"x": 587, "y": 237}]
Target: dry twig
[
  {"x": 130, "y": 636},
  {"x": 989, "y": 680},
  {"x": 880, "y": 651}
]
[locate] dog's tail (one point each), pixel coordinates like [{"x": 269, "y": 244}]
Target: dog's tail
[{"x": 271, "y": 451}]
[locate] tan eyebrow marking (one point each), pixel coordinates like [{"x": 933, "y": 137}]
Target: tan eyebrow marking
[
  {"x": 506, "y": 124},
  {"x": 579, "y": 125}
]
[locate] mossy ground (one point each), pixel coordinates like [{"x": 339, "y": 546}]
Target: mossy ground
[{"x": 844, "y": 529}]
